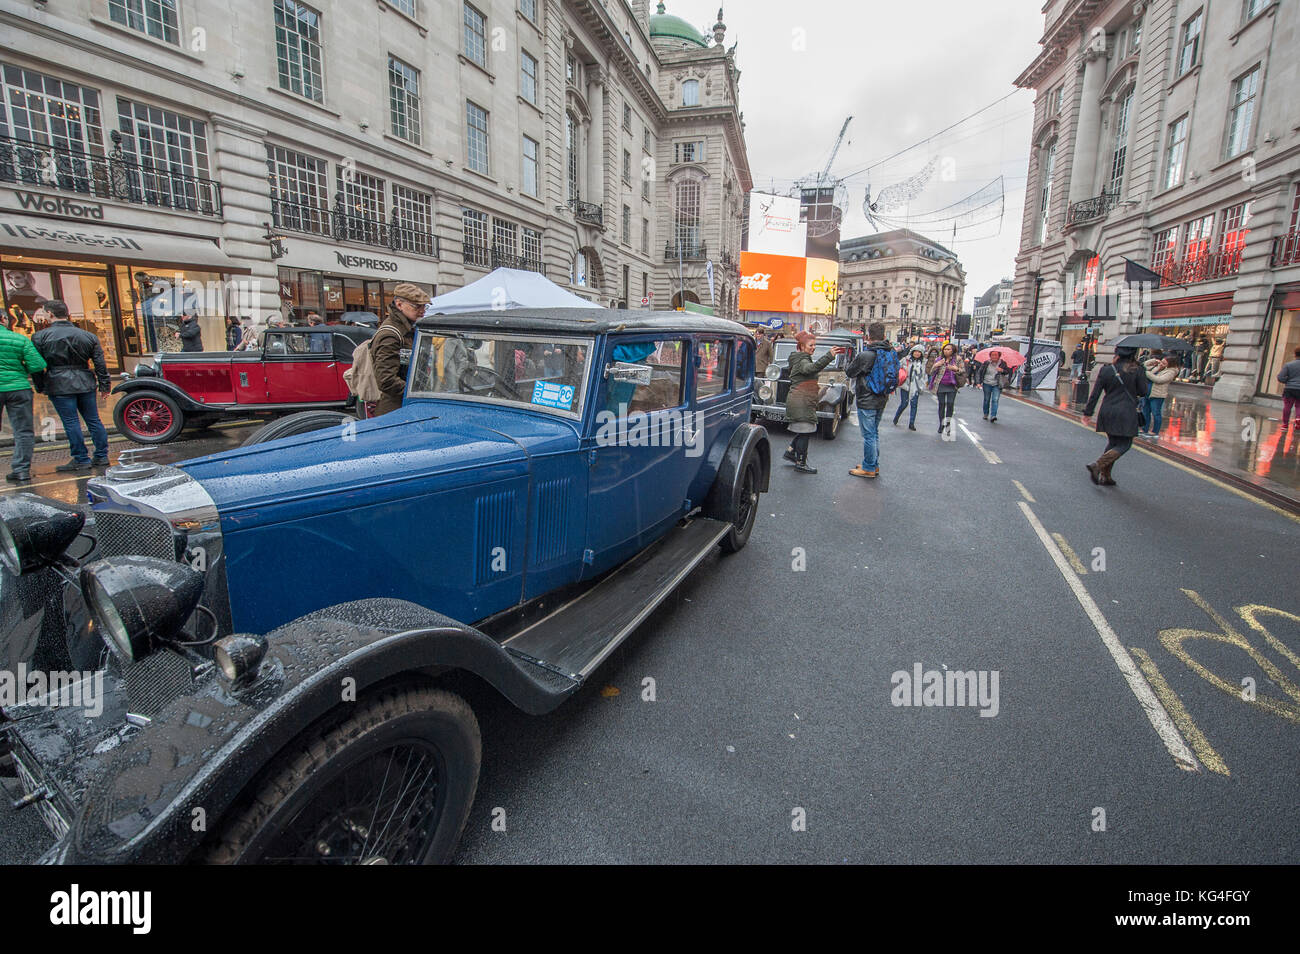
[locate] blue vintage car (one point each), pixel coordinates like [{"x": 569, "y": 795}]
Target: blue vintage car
[{"x": 275, "y": 627}]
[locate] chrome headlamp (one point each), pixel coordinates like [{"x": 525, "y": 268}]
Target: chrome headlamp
[
  {"x": 773, "y": 372},
  {"x": 34, "y": 531},
  {"x": 140, "y": 601}
]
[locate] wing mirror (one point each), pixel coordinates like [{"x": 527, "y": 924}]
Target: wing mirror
[{"x": 621, "y": 371}]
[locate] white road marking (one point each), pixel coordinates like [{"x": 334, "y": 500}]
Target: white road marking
[
  {"x": 1146, "y": 697},
  {"x": 989, "y": 456},
  {"x": 1024, "y": 492}
]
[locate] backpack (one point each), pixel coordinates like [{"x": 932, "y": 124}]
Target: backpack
[
  {"x": 883, "y": 376},
  {"x": 360, "y": 378}
]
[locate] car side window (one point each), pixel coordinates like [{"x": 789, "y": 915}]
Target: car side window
[
  {"x": 665, "y": 360},
  {"x": 712, "y": 368},
  {"x": 275, "y": 345},
  {"x": 744, "y": 365}
]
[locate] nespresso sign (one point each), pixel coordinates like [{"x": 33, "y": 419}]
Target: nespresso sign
[
  {"x": 59, "y": 205},
  {"x": 362, "y": 261}
]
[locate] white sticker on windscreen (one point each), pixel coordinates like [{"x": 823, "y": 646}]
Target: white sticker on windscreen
[{"x": 550, "y": 394}]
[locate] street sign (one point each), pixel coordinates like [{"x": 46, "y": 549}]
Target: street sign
[{"x": 645, "y": 301}]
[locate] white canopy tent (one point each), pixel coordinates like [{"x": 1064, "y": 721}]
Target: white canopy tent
[{"x": 506, "y": 288}]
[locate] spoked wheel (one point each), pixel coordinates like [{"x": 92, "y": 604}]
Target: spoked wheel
[
  {"x": 746, "y": 507},
  {"x": 390, "y": 784},
  {"x": 148, "y": 418}
]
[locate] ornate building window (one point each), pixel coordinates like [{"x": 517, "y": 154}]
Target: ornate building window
[
  {"x": 1045, "y": 191},
  {"x": 1119, "y": 154},
  {"x": 691, "y": 92},
  {"x": 686, "y": 216}
]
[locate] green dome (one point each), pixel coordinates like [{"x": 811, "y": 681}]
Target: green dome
[{"x": 665, "y": 25}]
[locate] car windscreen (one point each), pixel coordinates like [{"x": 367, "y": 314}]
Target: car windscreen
[
  {"x": 533, "y": 370},
  {"x": 781, "y": 353}
]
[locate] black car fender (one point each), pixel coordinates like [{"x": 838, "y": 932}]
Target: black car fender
[
  {"x": 162, "y": 385},
  {"x": 833, "y": 397},
  {"x": 175, "y": 778},
  {"x": 749, "y": 439}
]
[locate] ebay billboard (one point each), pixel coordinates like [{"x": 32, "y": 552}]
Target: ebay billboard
[{"x": 786, "y": 283}]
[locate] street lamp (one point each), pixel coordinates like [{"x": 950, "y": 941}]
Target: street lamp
[{"x": 1027, "y": 376}]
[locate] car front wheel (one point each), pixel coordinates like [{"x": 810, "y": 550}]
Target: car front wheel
[
  {"x": 745, "y": 506},
  {"x": 148, "y": 417},
  {"x": 830, "y": 428},
  {"x": 391, "y": 783}
]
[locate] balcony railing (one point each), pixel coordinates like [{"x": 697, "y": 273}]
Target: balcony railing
[
  {"x": 115, "y": 176},
  {"x": 478, "y": 255},
  {"x": 1090, "y": 209},
  {"x": 588, "y": 212},
  {"x": 346, "y": 225},
  {"x": 1286, "y": 250},
  {"x": 1203, "y": 267},
  {"x": 504, "y": 259},
  {"x": 685, "y": 251}
]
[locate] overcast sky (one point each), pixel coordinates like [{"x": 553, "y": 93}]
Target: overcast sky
[{"x": 904, "y": 71}]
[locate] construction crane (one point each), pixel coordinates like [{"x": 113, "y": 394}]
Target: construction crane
[
  {"x": 835, "y": 151},
  {"x": 822, "y": 196}
]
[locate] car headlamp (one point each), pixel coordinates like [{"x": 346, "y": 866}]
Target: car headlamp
[
  {"x": 34, "y": 531},
  {"x": 139, "y": 601},
  {"x": 239, "y": 656},
  {"x": 765, "y": 391},
  {"x": 773, "y": 372}
]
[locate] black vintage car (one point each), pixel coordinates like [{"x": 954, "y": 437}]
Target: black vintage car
[{"x": 835, "y": 398}]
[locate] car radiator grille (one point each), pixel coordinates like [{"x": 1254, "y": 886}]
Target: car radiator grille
[
  {"x": 156, "y": 680},
  {"x": 122, "y": 534}
]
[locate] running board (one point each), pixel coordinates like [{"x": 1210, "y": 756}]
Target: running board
[{"x": 578, "y": 636}]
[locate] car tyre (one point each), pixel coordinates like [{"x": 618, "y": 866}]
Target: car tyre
[
  {"x": 291, "y": 806},
  {"x": 830, "y": 429},
  {"x": 744, "y": 504},
  {"x": 303, "y": 422},
  {"x": 148, "y": 417}
]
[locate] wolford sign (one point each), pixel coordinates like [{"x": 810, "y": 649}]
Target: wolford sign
[{"x": 59, "y": 205}]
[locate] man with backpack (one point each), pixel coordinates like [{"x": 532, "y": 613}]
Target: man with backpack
[{"x": 875, "y": 375}]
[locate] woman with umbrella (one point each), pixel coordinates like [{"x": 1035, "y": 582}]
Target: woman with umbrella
[
  {"x": 1123, "y": 383},
  {"x": 993, "y": 373}
]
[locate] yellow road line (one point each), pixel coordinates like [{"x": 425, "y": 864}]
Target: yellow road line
[
  {"x": 1244, "y": 495},
  {"x": 1023, "y": 492},
  {"x": 1178, "y": 712},
  {"x": 1075, "y": 563}
]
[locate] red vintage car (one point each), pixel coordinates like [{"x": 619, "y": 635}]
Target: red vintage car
[{"x": 297, "y": 369}]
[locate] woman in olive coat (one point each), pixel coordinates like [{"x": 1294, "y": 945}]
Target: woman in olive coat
[
  {"x": 801, "y": 399},
  {"x": 1123, "y": 383}
]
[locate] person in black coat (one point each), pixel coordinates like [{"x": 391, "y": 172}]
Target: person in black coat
[
  {"x": 1123, "y": 383},
  {"x": 191, "y": 335}
]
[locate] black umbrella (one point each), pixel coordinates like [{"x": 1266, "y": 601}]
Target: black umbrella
[
  {"x": 367, "y": 318},
  {"x": 1163, "y": 342}
]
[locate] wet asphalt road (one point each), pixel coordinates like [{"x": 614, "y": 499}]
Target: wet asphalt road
[{"x": 772, "y": 685}]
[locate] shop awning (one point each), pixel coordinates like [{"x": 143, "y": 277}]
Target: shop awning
[
  {"x": 28, "y": 235},
  {"x": 1190, "y": 310}
]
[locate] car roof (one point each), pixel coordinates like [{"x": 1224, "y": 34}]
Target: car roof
[{"x": 586, "y": 321}]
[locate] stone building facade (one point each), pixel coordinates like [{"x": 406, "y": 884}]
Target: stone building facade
[
  {"x": 901, "y": 278},
  {"x": 1165, "y": 136},
  {"x": 314, "y": 154}
]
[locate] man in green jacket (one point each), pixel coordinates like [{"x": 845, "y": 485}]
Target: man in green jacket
[{"x": 19, "y": 359}]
